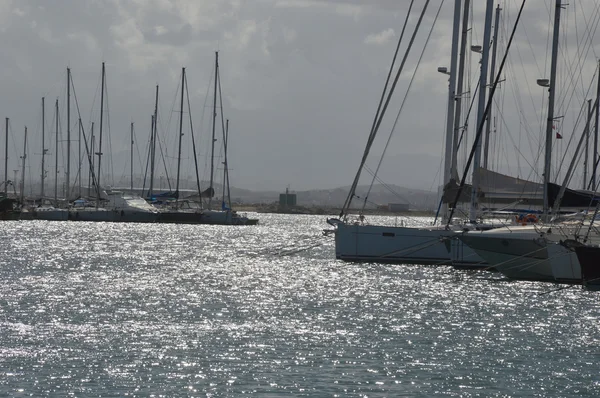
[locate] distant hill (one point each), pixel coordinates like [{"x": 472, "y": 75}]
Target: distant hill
[
  {"x": 333, "y": 198},
  {"x": 380, "y": 195}
]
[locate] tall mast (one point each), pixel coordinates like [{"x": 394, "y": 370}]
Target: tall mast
[
  {"x": 80, "y": 161},
  {"x": 23, "y": 168},
  {"x": 91, "y": 170},
  {"x": 56, "y": 156},
  {"x": 226, "y": 165},
  {"x": 459, "y": 88},
  {"x": 131, "y": 157},
  {"x": 68, "y": 173},
  {"x": 193, "y": 144},
  {"x": 6, "y": 159},
  {"x": 586, "y": 154},
  {"x": 153, "y": 144},
  {"x": 451, "y": 101},
  {"x": 99, "y": 186},
  {"x": 212, "y": 151},
  {"x": 43, "y": 145},
  {"x": 488, "y": 125},
  {"x": 481, "y": 108},
  {"x": 551, "y": 93},
  {"x": 597, "y": 110},
  {"x": 180, "y": 134}
]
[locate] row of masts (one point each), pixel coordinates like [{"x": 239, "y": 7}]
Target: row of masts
[
  {"x": 95, "y": 148},
  {"x": 455, "y": 93}
]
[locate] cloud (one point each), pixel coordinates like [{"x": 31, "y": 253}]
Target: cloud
[
  {"x": 301, "y": 79},
  {"x": 380, "y": 38}
]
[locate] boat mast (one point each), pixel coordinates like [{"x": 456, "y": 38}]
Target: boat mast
[
  {"x": 212, "y": 152},
  {"x": 481, "y": 109},
  {"x": 451, "y": 101},
  {"x": 180, "y": 136},
  {"x": 597, "y": 110},
  {"x": 99, "y": 153},
  {"x": 91, "y": 170},
  {"x": 131, "y": 157},
  {"x": 79, "y": 157},
  {"x": 68, "y": 173},
  {"x": 587, "y": 144},
  {"x": 23, "y": 168},
  {"x": 551, "y": 93},
  {"x": 187, "y": 91},
  {"x": 226, "y": 166},
  {"x": 459, "y": 88},
  {"x": 488, "y": 125},
  {"x": 6, "y": 159},
  {"x": 153, "y": 145},
  {"x": 43, "y": 146},
  {"x": 56, "y": 157}
]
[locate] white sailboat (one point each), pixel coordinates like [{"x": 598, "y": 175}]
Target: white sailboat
[
  {"x": 357, "y": 241},
  {"x": 535, "y": 252},
  {"x": 118, "y": 207}
]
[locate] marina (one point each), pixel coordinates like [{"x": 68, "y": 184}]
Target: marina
[{"x": 300, "y": 198}]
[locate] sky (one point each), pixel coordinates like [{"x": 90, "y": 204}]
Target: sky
[{"x": 300, "y": 82}]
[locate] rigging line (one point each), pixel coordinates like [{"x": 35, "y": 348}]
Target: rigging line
[
  {"x": 404, "y": 101},
  {"x": 391, "y": 92},
  {"x": 171, "y": 139},
  {"x": 187, "y": 91},
  {"x": 516, "y": 93},
  {"x": 576, "y": 126},
  {"x": 383, "y": 183},
  {"x": 485, "y": 113},
  {"x": 373, "y": 131},
  {"x": 516, "y": 148},
  {"x": 224, "y": 142},
  {"x": 108, "y": 133},
  {"x": 137, "y": 148},
  {"x": 466, "y": 125},
  {"x": 87, "y": 150},
  {"x": 162, "y": 155},
  {"x": 148, "y": 159},
  {"x": 597, "y": 12},
  {"x": 570, "y": 66}
]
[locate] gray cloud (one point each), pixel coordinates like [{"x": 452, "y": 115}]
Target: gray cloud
[{"x": 300, "y": 80}]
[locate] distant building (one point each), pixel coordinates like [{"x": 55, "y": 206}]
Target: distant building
[
  {"x": 397, "y": 207},
  {"x": 287, "y": 199}
]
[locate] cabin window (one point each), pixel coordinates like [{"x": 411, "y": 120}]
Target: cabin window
[{"x": 389, "y": 234}]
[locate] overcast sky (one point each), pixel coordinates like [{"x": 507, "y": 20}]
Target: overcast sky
[{"x": 300, "y": 81}]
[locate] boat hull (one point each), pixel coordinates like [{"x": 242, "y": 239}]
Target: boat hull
[
  {"x": 399, "y": 245},
  {"x": 515, "y": 257},
  {"x": 52, "y": 214},
  {"x": 564, "y": 263},
  {"x": 112, "y": 216},
  {"x": 589, "y": 259}
]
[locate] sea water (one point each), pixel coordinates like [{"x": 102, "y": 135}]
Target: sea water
[{"x": 102, "y": 309}]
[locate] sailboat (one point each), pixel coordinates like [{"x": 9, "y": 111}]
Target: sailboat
[
  {"x": 117, "y": 206},
  {"x": 46, "y": 210},
  {"x": 535, "y": 252},
  {"x": 357, "y": 241}
]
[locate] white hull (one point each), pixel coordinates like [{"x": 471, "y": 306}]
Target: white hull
[
  {"x": 462, "y": 256},
  {"x": 224, "y": 217},
  {"x": 112, "y": 216},
  {"x": 518, "y": 253},
  {"x": 401, "y": 245},
  {"x": 564, "y": 263}
]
